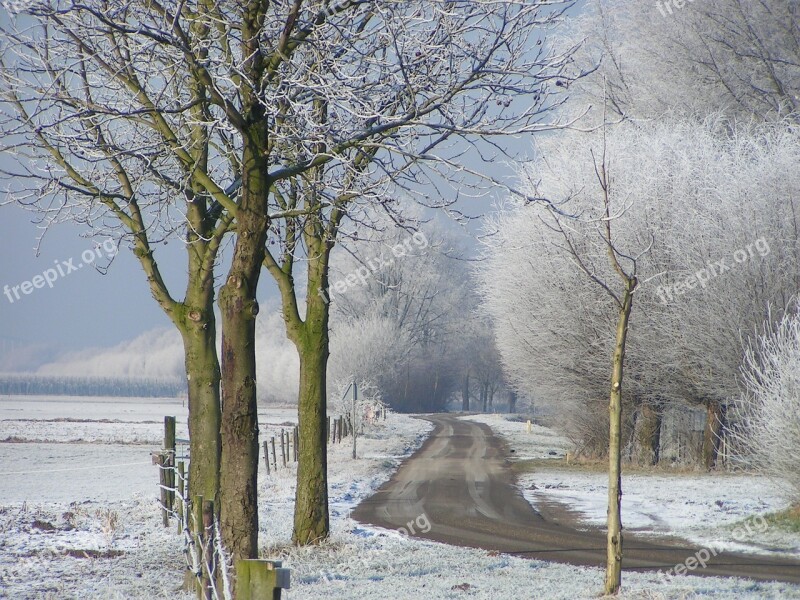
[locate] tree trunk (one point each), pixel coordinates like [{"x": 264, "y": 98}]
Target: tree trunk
[
  {"x": 647, "y": 434},
  {"x": 484, "y": 396},
  {"x": 203, "y": 375},
  {"x": 239, "y": 464},
  {"x": 465, "y": 393},
  {"x": 712, "y": 434},
  {"x": 238, "y": 308},
  {"x": 614, "y": 547},
  {"x": 512, "y": 402},
  {"x": 311, "y": 520}
]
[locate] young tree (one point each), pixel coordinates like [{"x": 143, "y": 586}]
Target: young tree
[{"x": 623, "y": 263}]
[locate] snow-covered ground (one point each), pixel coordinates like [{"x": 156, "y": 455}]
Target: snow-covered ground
[
  {"x": 717, "y": 510},
  {"x": 71, "y": 536},
  {"x": 540, "y": 443}
]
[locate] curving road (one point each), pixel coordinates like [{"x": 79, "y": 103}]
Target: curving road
[{"x": 461, "y": 482}]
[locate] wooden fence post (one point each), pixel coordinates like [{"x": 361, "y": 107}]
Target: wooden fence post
[
  {"x": 169, "y": 448},
  {"x": 266, "y": 455},
  {"x": 181, "y": 492},
  {"x": 283, "y": 449},
  {"x": 295, "y": 439},
  {"x": 274, "y": 455},
  {"x": 260, "y": 579},
  {"x": 161, "y": 461},
  {"x": 199, "y": 534}
]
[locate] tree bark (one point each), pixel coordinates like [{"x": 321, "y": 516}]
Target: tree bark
[
  {"x": 512, "y": 402},
  {"x": 203, "y": 379},
  {"x": 238, "y": 310},
  {"x": 712, "y": 433},
  {"x": 614, "y": 547},
  {"x": 239, "y": 459},
  {"x": 311, "y": 519},
  {"x": 647, "y": 434}
]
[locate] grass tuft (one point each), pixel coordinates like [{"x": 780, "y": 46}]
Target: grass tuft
[{"x": 787, "y": 520}]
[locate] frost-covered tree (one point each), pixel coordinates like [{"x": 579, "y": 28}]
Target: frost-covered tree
[
  {"x": 584, "y": 221},
  {"x": 401, "y": 305},
  {"x": 720, "y": 206},
  {"x": 308, "y": 110},
  {"x": 769, "y": 412},
  {"x": 360, "y": 100},
  {"x": 740, "y": 56},
  {"x": 109, "y": 129}
]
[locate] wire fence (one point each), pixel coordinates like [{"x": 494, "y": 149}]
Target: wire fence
[
  {"x": 208, "y": 568},
  {"x": 207, "y": 565}
]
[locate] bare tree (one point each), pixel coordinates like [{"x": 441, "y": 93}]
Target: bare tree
[
  {"x": 107, "y": 134},
  {"x": 589, "y": 244},
  {"x": 283, "y": 118},
  {"x": 624, "y": 265},
  {"x": 377, "y": 98}
]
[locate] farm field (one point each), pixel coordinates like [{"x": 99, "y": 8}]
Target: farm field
[{"x": 87, "y": 530}]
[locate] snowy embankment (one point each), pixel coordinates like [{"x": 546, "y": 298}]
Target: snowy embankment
[
  {"x": 713, "y": 510},
  {"x": 108, "y": 542}
]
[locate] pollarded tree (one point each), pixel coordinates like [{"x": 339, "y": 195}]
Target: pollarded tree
[
  {"x": 715, "y": 265},
  {"x": 734, "y": 254}
]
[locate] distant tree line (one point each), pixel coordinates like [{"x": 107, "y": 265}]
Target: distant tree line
[{"x": 26, "y": 384}]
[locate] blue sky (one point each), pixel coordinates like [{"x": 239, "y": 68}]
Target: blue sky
[{"x": 84, "y": 308}]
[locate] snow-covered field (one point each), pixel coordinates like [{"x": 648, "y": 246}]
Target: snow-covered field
[{"x": 67, "y": 534}]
